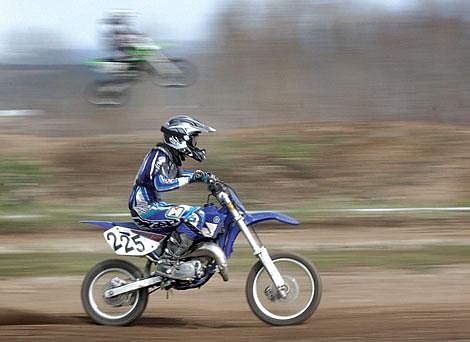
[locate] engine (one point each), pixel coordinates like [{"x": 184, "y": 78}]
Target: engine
[{"x": 189, "y": 270}]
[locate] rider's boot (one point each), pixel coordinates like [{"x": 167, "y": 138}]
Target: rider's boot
[{"x": 177, "y": 245}]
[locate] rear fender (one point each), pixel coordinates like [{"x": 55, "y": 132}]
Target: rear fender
[{"x": 108, "y": 224}]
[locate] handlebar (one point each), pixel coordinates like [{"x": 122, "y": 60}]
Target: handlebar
[
  {"x": 215, "y": 186},
  {"x": 217, "y": 189}
]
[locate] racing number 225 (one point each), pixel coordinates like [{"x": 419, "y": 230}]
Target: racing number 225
[{"x": 129, "y": 243}]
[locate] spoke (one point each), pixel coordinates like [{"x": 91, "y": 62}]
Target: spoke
[
  {"x": 114, "y": 307},
  {"x": 300, "y": 290}
]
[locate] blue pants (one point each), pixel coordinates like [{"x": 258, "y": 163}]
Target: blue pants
[{"x": 187, "y": 219}]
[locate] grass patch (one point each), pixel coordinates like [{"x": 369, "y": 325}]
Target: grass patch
[
  {"x": 401, "y": 258},
  {"x": 14, "y": 173},
  {"x": 39, "y": 264},
  {"x": 20, "y": 180},
  {"x": 397, "y": 258}
]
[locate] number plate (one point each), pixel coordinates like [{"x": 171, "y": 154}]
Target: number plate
[{"x": 126, "y": 242}]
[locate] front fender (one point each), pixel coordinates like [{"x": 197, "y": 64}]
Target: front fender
[{"x": 261, "y": 216}]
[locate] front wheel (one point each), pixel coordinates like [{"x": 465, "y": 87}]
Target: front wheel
[
  {"x": 303, "y": 291},
  {"x": 119, "y": 310}
]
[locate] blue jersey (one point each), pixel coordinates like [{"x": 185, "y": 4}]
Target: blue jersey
[{"x": 160, "y": 172}]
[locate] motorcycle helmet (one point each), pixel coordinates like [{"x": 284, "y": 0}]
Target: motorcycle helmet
[{"x": 181, "y": 132}]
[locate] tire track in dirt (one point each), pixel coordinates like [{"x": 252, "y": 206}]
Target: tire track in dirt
[{"x": 423, "y": 323}]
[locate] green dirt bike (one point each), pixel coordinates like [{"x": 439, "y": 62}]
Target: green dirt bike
[{"x": 146, "y": 61}]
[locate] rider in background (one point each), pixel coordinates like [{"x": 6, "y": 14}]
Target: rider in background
[
  {"x": 120, "y": 35},
  {"x": 160, "y": 172}
]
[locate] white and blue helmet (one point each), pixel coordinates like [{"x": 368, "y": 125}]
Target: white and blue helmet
[{"x": 181, "y": 131}]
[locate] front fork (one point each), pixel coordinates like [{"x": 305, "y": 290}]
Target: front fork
[{"x": 259, "y": 251}]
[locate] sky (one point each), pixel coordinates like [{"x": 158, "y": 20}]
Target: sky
[{"x": 73, "y": 24}]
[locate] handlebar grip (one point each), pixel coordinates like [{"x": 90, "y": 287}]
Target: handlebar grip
[{"x": 198, "y": 174}]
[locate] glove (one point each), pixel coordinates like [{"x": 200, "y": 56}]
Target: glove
[{"x": 200, "y": 176}]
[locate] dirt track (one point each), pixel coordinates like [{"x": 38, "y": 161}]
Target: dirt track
[
  {"x": 359, "y": 305},
  {"x": 387, "y": 323}
]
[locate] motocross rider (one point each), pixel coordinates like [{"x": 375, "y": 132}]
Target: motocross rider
[
  {"x": 120, "y": 34},
  {"x": 161, "y": 171}
]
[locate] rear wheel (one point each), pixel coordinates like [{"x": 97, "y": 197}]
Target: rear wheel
[
  {"x": 303, "y": 291},
  {"x": 122, "y": 309},
  {"x": 108, "y": 92}
]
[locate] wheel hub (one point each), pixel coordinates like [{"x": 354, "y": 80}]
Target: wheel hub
[
  {"x": 119, "y": 300},
  {"x": 291, "y": 290}
]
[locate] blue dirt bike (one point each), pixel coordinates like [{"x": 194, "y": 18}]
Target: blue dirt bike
[{"x": 281, "y": 289}]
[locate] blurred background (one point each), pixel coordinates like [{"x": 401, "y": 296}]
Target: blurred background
[{"x": 321, "y": 108}]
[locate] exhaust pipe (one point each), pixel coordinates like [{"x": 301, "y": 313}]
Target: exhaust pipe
[{"x": 211, "y": 250}]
